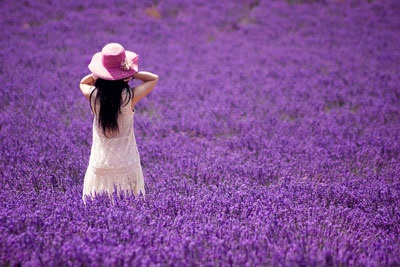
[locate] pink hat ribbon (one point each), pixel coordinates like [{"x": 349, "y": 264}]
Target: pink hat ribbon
[
  {"x": 129, "y": 65},
  {"x": 114, "y": 57}
]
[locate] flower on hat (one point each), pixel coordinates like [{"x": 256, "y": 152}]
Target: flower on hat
[{"x": 126, "y": 65}]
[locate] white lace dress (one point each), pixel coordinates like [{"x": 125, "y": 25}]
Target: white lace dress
[{"x": 114, "y": 161}]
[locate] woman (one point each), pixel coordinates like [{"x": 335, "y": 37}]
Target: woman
[{"x": 114, "y": 163}]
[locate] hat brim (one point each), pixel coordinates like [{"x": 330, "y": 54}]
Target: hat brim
[{"x": 97, "y": 68}]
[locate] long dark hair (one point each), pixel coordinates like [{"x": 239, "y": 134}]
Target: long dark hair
[{"x": 109, "y": 95}]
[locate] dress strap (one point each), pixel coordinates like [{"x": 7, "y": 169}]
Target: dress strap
[
  {"x": 90, "y": 98},
  {"x": 132, "y": 94}
]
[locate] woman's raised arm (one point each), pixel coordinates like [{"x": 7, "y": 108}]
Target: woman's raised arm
[
  {"x": 86, "y": 85},
  {"x": 149, "y": 79}
]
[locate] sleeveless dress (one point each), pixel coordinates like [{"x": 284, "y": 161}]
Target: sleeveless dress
[{"x": 114, "y": 162}]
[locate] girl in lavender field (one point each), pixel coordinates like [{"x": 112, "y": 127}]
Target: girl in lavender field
[{"x": 114, "y": 159}]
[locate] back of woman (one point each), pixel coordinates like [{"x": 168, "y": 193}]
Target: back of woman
[
  {"x": 114, "y": 163},
  {"x": 118, "y": 148},
  {"x": 123, "y": 114}
]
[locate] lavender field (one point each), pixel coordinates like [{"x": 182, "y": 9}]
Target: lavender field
[{"x": 272, "y": 138}]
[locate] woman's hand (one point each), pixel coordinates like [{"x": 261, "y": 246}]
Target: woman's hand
[
  {"x": 127, "y": 80},
  {"x": 89, "y": 79},
  {"x": 145, "y": 76}
]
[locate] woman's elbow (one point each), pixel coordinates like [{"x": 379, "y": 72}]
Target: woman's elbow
[{"x": 155, "y": 80}]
